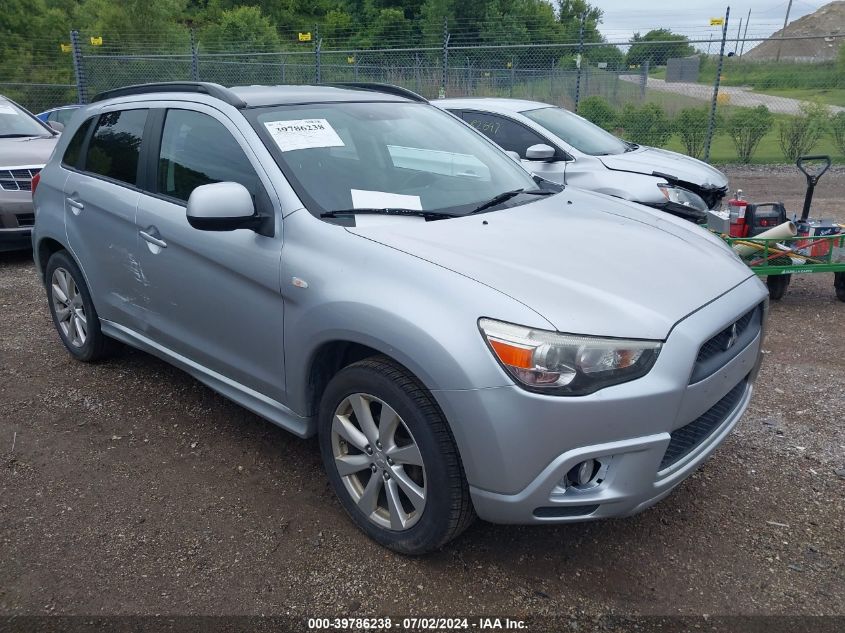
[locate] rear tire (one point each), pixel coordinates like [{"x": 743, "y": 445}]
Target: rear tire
[
  {"x": 72, "y": 310},
  {"x": 391, "y": 458},
  {"x": 777, "y": 285}
]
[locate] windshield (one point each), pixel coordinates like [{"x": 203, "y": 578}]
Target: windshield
[
  {"x": 341, "y": 156},
  {"x": 578, "y": 132},
  {"x": 15, "y": 121}
]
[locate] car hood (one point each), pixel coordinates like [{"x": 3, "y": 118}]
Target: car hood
[
  {"x": 587, "y": 263},
  {"x": 25, "y": 152},
  {"x": 646, "y": 160}
]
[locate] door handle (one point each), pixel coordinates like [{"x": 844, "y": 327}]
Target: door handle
[
  {"x": 152, "y": 239},
  {"x": 76, "y": 205}
]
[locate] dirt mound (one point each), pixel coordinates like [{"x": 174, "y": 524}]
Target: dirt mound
[{"x": 828, "y": 21}]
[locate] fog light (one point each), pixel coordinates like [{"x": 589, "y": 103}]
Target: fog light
[{"x": 583, "y": 473}]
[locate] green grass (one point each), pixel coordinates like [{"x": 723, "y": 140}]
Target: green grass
[{"x": 831, "y": 96}]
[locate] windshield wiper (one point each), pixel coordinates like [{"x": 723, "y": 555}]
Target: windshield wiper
[
  {"x": 507, "y": 195},
  {"x": 428, "y": 215}
]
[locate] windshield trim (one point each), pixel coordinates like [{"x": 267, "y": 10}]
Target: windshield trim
[
  {"x": 252, "y": 113},
  {"x": 526, "y": 114}
]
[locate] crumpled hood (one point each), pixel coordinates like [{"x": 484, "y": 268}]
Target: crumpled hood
[
  {"x": 25, "y": 152},
  {"x": 646, "y": 160},
  {"x": 597, "y": 265}
]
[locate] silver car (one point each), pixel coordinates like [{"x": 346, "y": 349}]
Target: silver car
[
  {"x": 25, "y": 145},
  {"x": 566, "y": 148},
  {"x": 357, "y": 264}
]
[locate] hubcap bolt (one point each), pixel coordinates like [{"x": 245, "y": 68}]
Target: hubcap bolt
[
  {"x": 369, "y": 449},
  {"x": 390, "y": 461},
  {"x": 378, "y": 444},
  {"x": 386, "y": 476},
  {"x": 373, "y": 467}
]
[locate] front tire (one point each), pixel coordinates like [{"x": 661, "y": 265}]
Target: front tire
[
  {"x": 391, "y": 458},
  {"x": 72, "y": 310}
]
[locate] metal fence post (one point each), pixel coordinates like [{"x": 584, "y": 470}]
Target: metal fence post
[
  {"x": 445, "y": 74},
  {"x": 195, "y": 58},
  {"x": 317, "y": 64},
  {"x": 711, "y": 126},
  {"x": 79, "y": 68},
  {"x": 513, "y": 74},
  {"x": 579, "y": 60},
  {"x": 644, "y": 78}
]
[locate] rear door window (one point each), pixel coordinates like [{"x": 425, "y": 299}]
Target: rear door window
[
  {"x": 509, "y": 135},
  {"x": 197, "y": 149},
  {"x": 116, "y": 145}
]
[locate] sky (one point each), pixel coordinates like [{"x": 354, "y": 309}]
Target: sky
[{"x": 621, "y": 21}]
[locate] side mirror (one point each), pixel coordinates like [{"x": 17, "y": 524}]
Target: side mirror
[
  {"x": 513, "y": 154},
  {"x": 222, "y": 206},
  {"x": 59, "y": 127},
  {"x": 541, "y": 151}
]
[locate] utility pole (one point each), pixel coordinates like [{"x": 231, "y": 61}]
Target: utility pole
[
  {"x": 783, "y": 31},
  {"x": 745, "y": 34}
]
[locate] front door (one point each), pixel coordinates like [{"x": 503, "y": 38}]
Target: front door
[{"x": 212, "y": 297}]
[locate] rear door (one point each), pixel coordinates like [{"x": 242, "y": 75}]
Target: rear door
[
  {"x": 101, "y": 197},
  {"x": 513, "y": 136},
  {"x": 211, "y": 297}
]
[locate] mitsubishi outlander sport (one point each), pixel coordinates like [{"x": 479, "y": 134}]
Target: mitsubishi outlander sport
[{"x": 353, "y": 262}]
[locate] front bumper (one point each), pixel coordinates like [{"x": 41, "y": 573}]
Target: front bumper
[
  {"x": 517, "y": 446},
  {"x": 17, "y": 239},
  {"x": 16, "y": 220}
]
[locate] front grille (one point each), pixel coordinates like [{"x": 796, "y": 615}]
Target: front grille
[
  {"x": 719, "y": 350},
  {"x": 25, "y": 219},
  {"x": 17, "y": 179},
  {"x": 687, "y": 438}
]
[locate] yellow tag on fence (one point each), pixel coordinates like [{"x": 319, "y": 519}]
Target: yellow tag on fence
[
  {"x": 717, "y": 21},
  {"x": 97, "y": 41},
  {"x": 350, "y": 60},
  {"x": 66, "y": 48},
  {"x": 305, "y": 37}
]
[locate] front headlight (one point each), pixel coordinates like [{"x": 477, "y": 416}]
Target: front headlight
[
  {"x": 682, "y": 196},
  {"x": 567, "y": 364}
]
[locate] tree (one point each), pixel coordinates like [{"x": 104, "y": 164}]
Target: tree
[
  {"x": 597, "y": 110},
  {"x": 691, "y": 125},
  {"x": 647, "y": 125},
  {"x": 747, "y": 127},
  {"x": 837, "y": 131},
  {"x": 799, "y": 134},
  {"x": 644, "y": 50},
  {"x": 243, "y": 29}
]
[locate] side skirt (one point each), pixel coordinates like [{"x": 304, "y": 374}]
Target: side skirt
[{"x": 267, "y": 408}]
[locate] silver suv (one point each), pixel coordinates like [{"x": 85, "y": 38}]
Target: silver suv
[
  {"x": 25, "y": 145},
  {"x": 353, "y": 262}
]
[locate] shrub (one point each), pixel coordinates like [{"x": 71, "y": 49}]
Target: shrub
[
  {"x": 597, "y": 110},
  {"x": 647, "y": 125},
  {"x": 837, "y": 130},
  {"x": 799, "y": 134},
  {"x": 691, "y": 125},
  {"x": 747, "y": 127}
]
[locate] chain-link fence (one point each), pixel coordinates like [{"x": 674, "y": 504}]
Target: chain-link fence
[{"x": 723, "y": 99}]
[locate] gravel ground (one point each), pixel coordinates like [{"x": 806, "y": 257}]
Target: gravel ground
[{"x": 129, "y": 488}]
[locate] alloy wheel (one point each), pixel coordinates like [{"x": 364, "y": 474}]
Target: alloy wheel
[
  {"x": 68, "y": 307},
  {"x": 378, "y": 461}
]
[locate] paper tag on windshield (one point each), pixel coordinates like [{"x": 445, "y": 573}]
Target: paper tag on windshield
[
  {"x": 303, "y": 134},
  {"x": 5, "y": 108},
  {"x": 362, "y": 199}
]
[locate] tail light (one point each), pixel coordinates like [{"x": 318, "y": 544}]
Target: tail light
[{"x": 35, "y": 180}]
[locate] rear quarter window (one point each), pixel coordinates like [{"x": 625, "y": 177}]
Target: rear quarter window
[{"x": 74, "y": 148}]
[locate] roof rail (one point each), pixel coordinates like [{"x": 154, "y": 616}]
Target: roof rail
[
  {"x": 385, "y": 88},
  {"x": 200, "y": 87}
]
